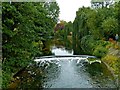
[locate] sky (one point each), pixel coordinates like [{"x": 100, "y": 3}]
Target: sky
[{"x": 68, "y": 8}]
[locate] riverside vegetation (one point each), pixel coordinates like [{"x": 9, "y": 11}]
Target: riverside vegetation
[
  {"x": 93, "y": 33},
  {"x": 27, "y": 26}
]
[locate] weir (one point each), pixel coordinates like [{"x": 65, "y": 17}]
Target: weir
[
  {"x": 72, "y": 71},
  {"x": 64, "y": 70},
  {"x": 67, "y": 57}
]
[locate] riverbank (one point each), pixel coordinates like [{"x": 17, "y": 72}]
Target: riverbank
[
  {"x": 30, "y": 75},
  {"x": 112, "y": 61},
  {"x": 109, "y": 54},
  {"x": 112, "y": 58}
]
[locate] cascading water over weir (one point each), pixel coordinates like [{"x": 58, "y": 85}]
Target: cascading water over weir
[
  {"x": 65, "y": 70},
  {"x": 69, "y": 71},
  {"x": 50, "y": 59}
]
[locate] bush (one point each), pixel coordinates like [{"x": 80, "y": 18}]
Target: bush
[
  {"x": 6, "y": 77},
  {"x": 88, "y": 44},
  {"x": 112, "y": 61},
  {"x": 100, "y": 51},
  {"x": 104, "y": 43}
]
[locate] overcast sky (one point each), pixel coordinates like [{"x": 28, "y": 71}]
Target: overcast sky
[{"x": 68, "y": 8}]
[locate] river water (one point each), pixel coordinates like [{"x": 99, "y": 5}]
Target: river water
[{"x": 73, "y": 72}]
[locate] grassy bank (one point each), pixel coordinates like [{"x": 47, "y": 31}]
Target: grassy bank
[{"x": 112, "y": 60}]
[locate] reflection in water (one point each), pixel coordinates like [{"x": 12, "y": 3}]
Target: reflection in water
[{"x": 69, "y": 73}]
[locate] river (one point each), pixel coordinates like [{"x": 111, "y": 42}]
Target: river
[
  {"x": 65, "y": 71},
  {"x": 74, "y": 73}
]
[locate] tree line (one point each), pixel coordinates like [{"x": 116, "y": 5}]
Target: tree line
[
  {"x": 25, "y": 28},
  {"x": 93, "y": 28}
]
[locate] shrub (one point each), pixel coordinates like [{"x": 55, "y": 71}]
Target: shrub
[
  {"x": 112, "y": 61},
  {"x": 88, "y": 44},
  {"x": 100, "y": 51}
]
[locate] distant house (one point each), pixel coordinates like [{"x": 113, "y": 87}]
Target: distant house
[{"x": 102, "y": 3}]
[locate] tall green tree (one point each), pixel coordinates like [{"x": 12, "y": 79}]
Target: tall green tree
[
  {"x": 110, "y": 27},
  {"x": 97, "y": 24},
  {"x": 24, "y": 25}
]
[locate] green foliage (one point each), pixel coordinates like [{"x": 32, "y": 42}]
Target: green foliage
[
  {"x": 103, "y": 43},
  {"x": 68, "y": 29},
  {"x": 88, "y": 44},
  {"x": 94, "y": 47},
  {"x": 100, "y": 51},
  {"x": 53, "y": 10},
  {"x": 25, "y": 26},
  {"x": 101, "y": 48},
  {"x": 100, "y": 23},
  {"x": 110, "y": 27},
  {"x": 63, "y": 29},
  {"x": 113, "y": 61}
]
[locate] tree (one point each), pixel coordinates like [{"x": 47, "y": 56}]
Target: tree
[
  {"x": 25, "y": 26},
  {"x": 110, "y": 27},
  {"x": 80, "y": 27}
]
